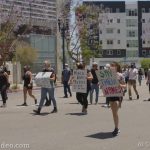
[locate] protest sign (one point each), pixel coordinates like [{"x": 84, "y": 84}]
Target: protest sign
[
  {"x": 42, "y": 79},
  {"x": 79, "y": 81},
  {"x": 109, "y": 83}
]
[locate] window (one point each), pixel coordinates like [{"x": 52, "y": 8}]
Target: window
[
  {"x": 111, "y": 20},
  {"x": 118, "y": 52},
  {"x": 143, "y": 41},
  {"x": 118, "y": 20},
  {"x": 148, "y": 42},
  {"x": 132, "y": 43},
  {"x": 143, "y": 10},
  {"x": 132, "y": 33},
  {"x": 131, "y": 22},
  {"x": 109, "y": 42},
  {"x": 118, "y": 41},
  {"x": 100, "y": 31},
  {"x": 144, "y": 52},
  {"x": 143, "y": 20},
  {"x": 131, "y": 12},
  {"x": 101, "y": 42},
  {"x": 118, "y": 31},
  {"x": 109, "y": 52},
  {"x": 117, "y": 10},
  {"x": 109, "y": 30},
  {"x": 107, "y": 10}
]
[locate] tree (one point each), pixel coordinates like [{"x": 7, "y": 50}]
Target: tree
[
  {"x": 145, "y": 63},
  {"x": 25, "y": 54},
  {"x": 86, "y": 30}
]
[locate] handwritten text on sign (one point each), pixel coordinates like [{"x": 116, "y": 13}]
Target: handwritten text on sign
[
  {"x": 79, "y": 81},
  {"x": 109, "y": 83},
  {"x": 42, "y": 79}
]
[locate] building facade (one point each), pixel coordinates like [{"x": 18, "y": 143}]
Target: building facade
[
  {"x": 124, "y": 29},
  {"x": 42, "y": 13},
  {"x": 40, "y": 19}
]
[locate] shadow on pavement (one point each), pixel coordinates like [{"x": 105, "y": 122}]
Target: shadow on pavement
[
  {"x": 146, "y": 100},
  {"x": 74, "y": 103},
  {"x": 41, "y": 114},
  {"x": 102, "y": 135},
  {"x": 76, "y": 114}
]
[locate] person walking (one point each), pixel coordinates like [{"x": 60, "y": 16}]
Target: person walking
[
  {"x": 94, "y": 84},
  {"x": 115, "y": 102},
  {"x": 4, "y": 84},
  {"x": 140, "y": 75},
  {"x": 148, "y": 81},
  {"x": 50, "y": 90},
  {"x": 66, "y": 78},
  {"x": 28, "y": 85},
  {"x": 48, "y": 100},
  {"x": 133, "y": 72},
  {"x": 82, "y": 97}
]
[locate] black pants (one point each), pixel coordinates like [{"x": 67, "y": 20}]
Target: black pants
[
  {"x": 3, "y": 90},
  {"x": 107, "y": 101},
  {"x": 82, "y": 99}
]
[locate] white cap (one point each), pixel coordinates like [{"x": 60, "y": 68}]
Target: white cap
[
  {"x": 107, "y": 66},
  {"x": 95, "y": 63},
  {"x": 66, "y": 64}
]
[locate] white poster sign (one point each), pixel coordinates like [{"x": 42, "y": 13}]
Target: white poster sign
[
  {"x": 79, "y": 81},
  {"x": 42, "y": 79}
]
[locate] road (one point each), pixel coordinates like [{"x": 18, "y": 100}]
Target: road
[{"x": 70, "y": 130}]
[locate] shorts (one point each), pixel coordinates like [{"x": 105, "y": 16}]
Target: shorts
[
  {"x": 28, "y": 87},
  {"x": 113, "y": 99}
]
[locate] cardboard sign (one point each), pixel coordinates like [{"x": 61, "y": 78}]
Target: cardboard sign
[
  {"x": 79, "y": 81},
  {"x": 109, "y": 83},
  {"x": 42, "y": 79}
]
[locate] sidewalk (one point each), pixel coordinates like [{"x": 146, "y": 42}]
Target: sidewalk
[{"x": 20, "y": 87}]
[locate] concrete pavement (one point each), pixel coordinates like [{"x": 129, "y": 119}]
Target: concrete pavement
[{"x": 70, "y": 130}]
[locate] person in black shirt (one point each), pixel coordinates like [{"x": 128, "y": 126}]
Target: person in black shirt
[
  {"x": 48, "y": 90},
  {"x": 82, "y": 97},
  {"x": 66, "y": 78},
  {"x": 28, "y": 85},
  {"x": 3, "y": 86},
  {"x": 95, "y": 83}
]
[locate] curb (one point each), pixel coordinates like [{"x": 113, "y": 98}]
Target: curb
[{"x": 34, "y": 89}]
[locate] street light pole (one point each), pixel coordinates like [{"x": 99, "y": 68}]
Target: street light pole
[{"x": 63, "y": 44}]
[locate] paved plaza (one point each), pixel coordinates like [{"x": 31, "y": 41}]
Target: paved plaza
[{"x": 70, "y": 130}]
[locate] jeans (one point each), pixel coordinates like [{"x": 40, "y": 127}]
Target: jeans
[
  {"x": 44, "y": 92},
  {"x": 3, "y": 91},
  {"x": 96, "y": 88},
  {"x": 67, "y": 87}
]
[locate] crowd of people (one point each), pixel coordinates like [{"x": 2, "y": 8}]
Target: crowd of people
[{"x": 127, "y": 77}]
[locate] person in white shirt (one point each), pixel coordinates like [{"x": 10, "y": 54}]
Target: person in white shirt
[{"x": 133, "y": 72}]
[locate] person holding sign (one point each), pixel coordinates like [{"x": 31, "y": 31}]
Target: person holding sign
[
  {"x": 115, "y": 101},
  {"x": 47, "y": 90},
  {"x": 82, "y": 96},
  {"x": 112, "y": 83}
]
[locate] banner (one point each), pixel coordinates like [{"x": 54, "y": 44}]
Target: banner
[
  {"x": 109, "y": 83},
  {"x": 42, "y": 79},
  {"x": 79, "y": 81}
]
